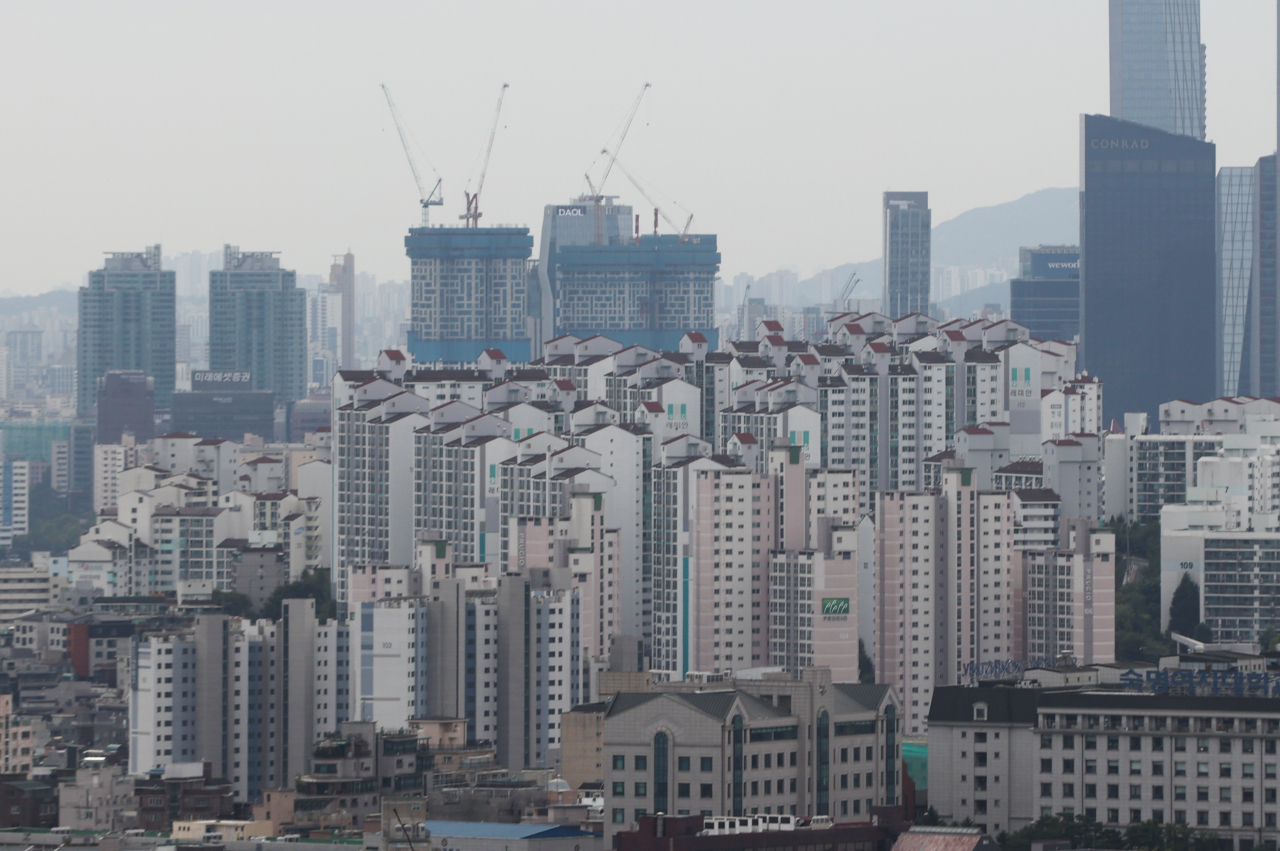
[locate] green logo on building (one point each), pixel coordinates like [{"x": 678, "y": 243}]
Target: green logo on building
[{"x": 835, "y": 605}]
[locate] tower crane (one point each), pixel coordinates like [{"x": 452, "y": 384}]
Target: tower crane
[
  {"x": 635, "y": 107},
  {"x": 472, "y": 215},
  {"x": 849, "y": 286},
  {"x": 427, "y": 199},
  {"x": 657, "y": 210}
]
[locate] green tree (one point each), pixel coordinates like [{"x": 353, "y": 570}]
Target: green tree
[
  {"x": 866, "y": 668},
  {"x": 234, "y": 603},
  {"x": 54, "y": 525},
  {"x": 1184, "y": 608},
  {"x": 312, "y": 584},
  {"x": 1202, "y": 632},
  {"x": 1268, "y": 639},
  {"x": 1080, "y": 831},
  {"x": 929, "y": 817}
]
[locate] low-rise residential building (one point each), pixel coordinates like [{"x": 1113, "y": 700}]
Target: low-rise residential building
[
  {"x": 1003, "y": 757},
  {"x": 804, "y": 748}
]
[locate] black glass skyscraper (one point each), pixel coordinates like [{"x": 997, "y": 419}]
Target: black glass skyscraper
[{"x": 1147, "y": 263}]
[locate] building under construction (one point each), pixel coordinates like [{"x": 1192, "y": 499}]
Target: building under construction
[
  {"x": 596, "y": 276},
  {"x": 470, "y": 290}
]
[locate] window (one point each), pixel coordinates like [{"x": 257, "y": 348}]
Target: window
[
  {"x": 1202, "y": 769},
  {"x": 1224, "y": 769},
  {"x": 1179, "y": 793},
  {"x": 704, "y": 764},
  {"x": 641, "y": 762},
  {"x": 1046, "y": 741},
  {"x": 980, "y": 759},
  {"x": 1090, "y": 766},
  {"x": 1068, "y": 766},
  {"x": 619, "y": 762},
  {"x": 642, "y": 790},
  {"x": 1157, "y": 768},
  {"x": 1068, "y": 790},
  {"x": 1113, "y": 766},
  {"x": 619, "y": 815},
  {"x": 1135, "y": 767},
  {"x": 705, "y": 790},
  {"x": 682, "y": 790},
  {"x": 1091, "y": 743},
  {"x": 1113, "y": 743},
  {"x": 682, "y": 763},
  {"x": 1091, "y": 790},
  {"x": 1135, "y": 792},
  {"x": 1224, "y": 818},
  {"x": 1135, "y": 816},
  {"x": 619, "y": 789},
  {"x": 1179, "y": 768},
  {"x": 1046, "y": 766},
  {"x": 1113, "y": 791},
  {"x": 1202, "y": 793},
  {"x": 641, "y": 813},
  {"x": 1113, "y": 816},
  {"x": 1046, "y": 790}
]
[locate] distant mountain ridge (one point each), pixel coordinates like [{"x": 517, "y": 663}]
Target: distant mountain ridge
[
  {"x": 981, "y": 238},
  {"x": 64, "y": 300}
]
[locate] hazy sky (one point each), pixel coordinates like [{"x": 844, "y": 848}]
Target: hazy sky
[{"x": 777, "y": 124}]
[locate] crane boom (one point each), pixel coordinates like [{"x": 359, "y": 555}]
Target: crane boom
[
  {"x": 427, "y": 200},
  {"x": 618, "y": 147},
  {"x": 472, "y": 215},
  {"x": 675, "y": 227}
]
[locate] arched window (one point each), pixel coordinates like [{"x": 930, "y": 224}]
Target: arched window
[
  {"x": 737, "y": 765},
  {"x": 823, "y": 807},
  {"x": 660, "y": 775}
]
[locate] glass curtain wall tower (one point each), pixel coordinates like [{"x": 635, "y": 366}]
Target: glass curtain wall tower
[{"x": 1158, "y": 64}]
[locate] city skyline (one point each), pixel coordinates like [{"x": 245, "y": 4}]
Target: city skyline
[{"x": 679, "y": 131}]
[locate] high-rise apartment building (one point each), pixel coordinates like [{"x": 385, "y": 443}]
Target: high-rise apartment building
[
  {"x": 1071, "y": 596},
  {"x": 1236, "y": 236},
  {"x": 1158, "y": 65},
  {"x": 470, "y": 293},
  {"x": 186, "y": 706},
  {"x": 126, "y": 322},
  {"x": 949, "y": 592},
  {"x": 342, "y": 280},
  {"x": 1148, "y": 263},
  {"x": 1045, "y": 297},
  {"x": 258, "y": 322},
  {"x": 907, "y": 258}
]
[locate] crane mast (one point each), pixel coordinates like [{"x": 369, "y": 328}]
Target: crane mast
[
  {"x": 472, "y": 215},
  {"x": 426, "y": 199}
]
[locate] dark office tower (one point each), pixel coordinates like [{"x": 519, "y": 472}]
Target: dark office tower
[
  {"x": 126, "y": 403},
  {"x": 1260, "y": 358},
  {"x": 469, "y": 292},
  {"x": 580, "y": 222},
  {"x": 1045, "y": 296},
  {"x": 342, "y": 280},
  {"x": 126, "y": 322},
  {"x": 1147, "y": 263},
  {"x": 1157, "y": 65},
  {"x": 258, "y": 322},
  {"x": 907, "y": 231},
  {"x": 1236, "y": 236}
]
